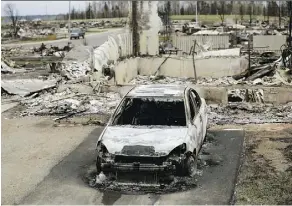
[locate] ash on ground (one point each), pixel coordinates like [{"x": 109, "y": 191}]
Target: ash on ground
[
  {"x": 206, "y": 159},
  {"x": 248, "y": 113}
]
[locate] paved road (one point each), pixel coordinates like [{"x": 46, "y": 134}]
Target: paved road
[
  {"x": 64, "y": 184},
  {"x": 95, "y": 39}
]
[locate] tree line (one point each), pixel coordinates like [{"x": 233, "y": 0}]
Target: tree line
[
  {"x": 263, "y": 8},
  {"x": 100, "y": 9},
  {"x": 109, "y": 9}
]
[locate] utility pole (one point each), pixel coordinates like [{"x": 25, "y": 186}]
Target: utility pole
[
  {"x": 46, "y": 12},
  {"x": 197, "y": 12},
  {"x": 69, "y": 22},
  {"x": 290, "y": 25},
  {"x": 136, "y": 46},
  {"x": 279, "y": 13}
]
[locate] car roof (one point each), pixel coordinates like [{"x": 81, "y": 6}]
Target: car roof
[{"x": 158, "y": 90}]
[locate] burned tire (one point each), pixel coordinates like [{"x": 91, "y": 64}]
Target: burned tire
[
  {"x": 191, "y": 166},
  {"x": 98, "y": 165},
  {"x": 205, "y": 137}
]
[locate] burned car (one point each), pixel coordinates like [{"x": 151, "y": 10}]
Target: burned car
[{"x": 157, "y": 129}]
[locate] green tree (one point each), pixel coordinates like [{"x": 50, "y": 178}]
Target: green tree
[
  {"x": 241, "y": 12},
  {"x": 182, "y": 11},
  {"x": 105, "y": 12},
  {"x": 89, "y": 12}
]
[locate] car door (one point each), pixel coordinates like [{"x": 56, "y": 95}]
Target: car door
[
  {"x": 194, "y": 122},
  {"x": 199, "y": 121}
]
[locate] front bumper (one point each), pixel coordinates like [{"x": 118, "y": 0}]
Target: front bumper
[{"x": 137, "y": 167}]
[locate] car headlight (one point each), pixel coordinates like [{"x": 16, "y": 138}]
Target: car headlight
[
  {"x": 181, "y": 149},
  {"x": 103, "y": 152},
  {"x": 101, "y": 148}
]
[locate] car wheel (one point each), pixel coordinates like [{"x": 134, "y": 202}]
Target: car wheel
[
  {"x": 191, "y": 166},
  {"x": 98, "y": 165},
  {"x": 70, "y": 38},
  {"x": 205, "y": 137},
  {"x": 78, "y": 37}
]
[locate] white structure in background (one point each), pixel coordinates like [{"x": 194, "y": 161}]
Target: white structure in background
[
  {"x": 151, "y": 24},
  {"x": 121, "y": 45}
]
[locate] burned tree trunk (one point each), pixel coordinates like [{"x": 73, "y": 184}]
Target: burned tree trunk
[
  {"x": 135, "y": 32},
  {"x": 12, "y": 14}
]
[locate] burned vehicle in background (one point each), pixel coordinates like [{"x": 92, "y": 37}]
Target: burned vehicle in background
[{"x": 156, "y": 129}]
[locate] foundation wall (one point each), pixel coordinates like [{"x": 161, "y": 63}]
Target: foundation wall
[{"x": 215, "y": 67}]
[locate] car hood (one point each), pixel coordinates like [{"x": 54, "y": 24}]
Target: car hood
[{"x": 163, "y": 139}]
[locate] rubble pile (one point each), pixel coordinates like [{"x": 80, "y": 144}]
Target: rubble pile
[
  {"x": 74, "y": 70},
  {"x": 68, "y": 102},
  {"x": 5, "y": 69},
  {"x": 41, "y": 51},
  {"x": 208, "y": 81},
  {"x": 40, "y": 29},
  {"x": 99, "y": 24},
  {"x": 16, "y": 51},
  {"x": 246, "y": 113},
  {"x": 246, "y": 95},
  {"x": 161, "y": 80},
  {"x": 275, "y": 80}
]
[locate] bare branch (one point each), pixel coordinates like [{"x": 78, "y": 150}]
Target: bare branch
[
  {"x": 221, "y": 11},
  {"x": 12, "y": 14}
]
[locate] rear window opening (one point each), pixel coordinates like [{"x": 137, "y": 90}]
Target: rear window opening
[{"x": 137, "y": 111}]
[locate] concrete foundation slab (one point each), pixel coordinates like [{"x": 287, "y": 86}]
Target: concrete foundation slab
[{"x": 24, "y": 87}]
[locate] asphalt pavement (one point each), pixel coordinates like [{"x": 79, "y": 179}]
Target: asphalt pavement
[
  {"x": 93, "y": 39},
  {"x": 65, "y": 184}
]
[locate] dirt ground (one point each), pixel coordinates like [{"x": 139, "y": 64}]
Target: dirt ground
[
  {"x": 265, "y": 176},
  {"x": 266, "y": 173},
  {"x": 31, "y": 146}
]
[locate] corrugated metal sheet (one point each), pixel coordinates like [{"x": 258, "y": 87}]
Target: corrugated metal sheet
[
  {"x": 125, "y": 44},
  {"x": 272, "y": 42},
  {"x": 215, "y": 42}
]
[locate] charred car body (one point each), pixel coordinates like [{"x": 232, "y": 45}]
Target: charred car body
[{"x": 156, "y": 129}]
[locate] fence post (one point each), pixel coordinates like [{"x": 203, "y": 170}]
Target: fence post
[
  {"x": 193, "y": 55},
  {"x": 249, "y": 51}
]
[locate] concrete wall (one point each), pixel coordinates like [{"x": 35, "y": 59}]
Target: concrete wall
[
  {"x": 214, "y": 42},
  {"x": 126, "y": 70},
  {"x": 273, "y": 42},
  {"x": 179, "y": 67},
  {"x": 115, "y": 47},
  {"x": 277, "y": 95}
]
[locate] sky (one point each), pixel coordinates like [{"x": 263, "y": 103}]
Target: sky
[{"x": 40, "y": 7}]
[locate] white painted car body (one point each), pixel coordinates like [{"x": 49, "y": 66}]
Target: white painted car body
[{"x": 163, "y": 138}]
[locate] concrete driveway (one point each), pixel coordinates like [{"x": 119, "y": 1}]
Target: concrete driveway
[
  {"x": 65, "y": 185},
  {"x": 31, "y": 147}
]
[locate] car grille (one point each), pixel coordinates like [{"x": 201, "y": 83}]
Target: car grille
[{"x": 141, "y": 159}]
